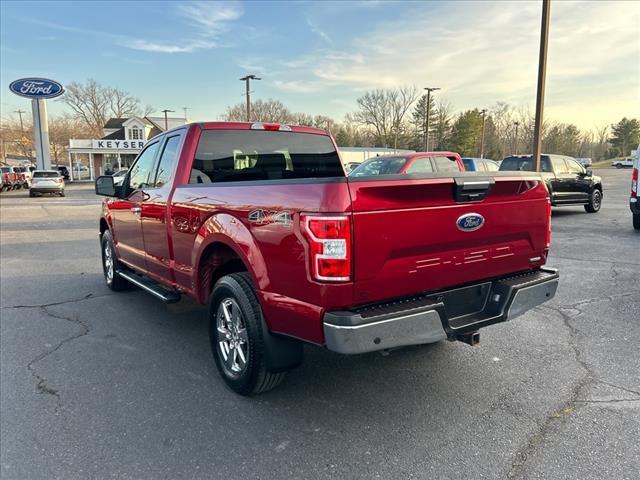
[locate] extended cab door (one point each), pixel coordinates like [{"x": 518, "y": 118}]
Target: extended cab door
[
  {"x": 126, "y": 211},
  {"x": 561, "y": 180},
  {"x": 577, "y": 184},
  {"x": 154, "y": 215}
]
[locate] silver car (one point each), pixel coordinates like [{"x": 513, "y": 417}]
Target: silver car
[{"x": 47, "y": 181}]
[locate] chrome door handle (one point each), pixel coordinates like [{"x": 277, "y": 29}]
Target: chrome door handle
[{"x": 136, "y": 210}]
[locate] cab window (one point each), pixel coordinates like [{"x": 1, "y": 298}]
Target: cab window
[
  {"x": 559, "y": 166},
  {"x": 139, "y": 173},
  {"x": 574, "y": 167},
  {"x": 445, "y": 164}
]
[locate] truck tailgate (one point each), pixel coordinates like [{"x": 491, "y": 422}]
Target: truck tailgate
[{"x": 407, "y": 237}]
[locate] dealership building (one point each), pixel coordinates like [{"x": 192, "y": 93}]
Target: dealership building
[{"x": 122, "y": 141}]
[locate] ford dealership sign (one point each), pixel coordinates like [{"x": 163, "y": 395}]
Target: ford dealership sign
[{"x": 36, "y": 88}]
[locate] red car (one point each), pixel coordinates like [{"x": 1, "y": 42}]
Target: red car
[
  {"x": 260, "y": 222},
  {"x": 413, "y": 163}
]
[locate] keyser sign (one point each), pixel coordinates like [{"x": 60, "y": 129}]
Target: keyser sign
[
  {"x": 36, "y": 88},
  {"x": 117, "y": 144}
]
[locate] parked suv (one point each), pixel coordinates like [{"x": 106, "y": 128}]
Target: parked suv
[
  {"x": 569, "y": 183},
  {"x": 47, "y": 181},
  {"x": 480, "y": 164}
]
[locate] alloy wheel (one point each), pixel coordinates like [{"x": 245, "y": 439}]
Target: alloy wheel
[{"x": 233, "y": 341}]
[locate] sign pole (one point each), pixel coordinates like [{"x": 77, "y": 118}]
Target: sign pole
[{"x": 41, "y": 133}]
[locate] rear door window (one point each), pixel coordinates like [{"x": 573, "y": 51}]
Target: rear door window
[
  {"x": 559, "y": 166},
  {"x": 468, "y": 164},
  {"x": 46, "y": 174},
  {"x": 254, "y": 155},
  {"x": 420, "y": 165},
  {"x": 445, "y": 164}
]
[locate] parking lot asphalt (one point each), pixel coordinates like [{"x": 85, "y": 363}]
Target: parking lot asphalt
[{"x": 97, "y": 384}]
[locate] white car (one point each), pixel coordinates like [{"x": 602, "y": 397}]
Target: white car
[
  {"x": 47, "y": 181},
  {"x": 623, "y": 163}
]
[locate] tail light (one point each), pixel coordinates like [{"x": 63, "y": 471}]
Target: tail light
[
  {"x": 329, "y": 246},
  {"x": 548, "y": 237},
  {"x": 270, "y": 126},
  {"x": 634, "y": 183}
]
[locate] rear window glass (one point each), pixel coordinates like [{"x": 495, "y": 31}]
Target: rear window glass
[
  {"x": 46, "y": 174},
  {"x": 250, "y": 155},
  {"x": 379, "y": 166},
  {"x": 445, "y": 164},
  {"x": 525, "y": 164},
  {"x": 468, "y": 164}
]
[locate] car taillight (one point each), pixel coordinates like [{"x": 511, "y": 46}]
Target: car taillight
[
  {"x": 634, "y": 183},
  {"x": 329, "y": 246}
]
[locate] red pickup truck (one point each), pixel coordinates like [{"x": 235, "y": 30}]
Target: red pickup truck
[{"x": 261, "y": 222}]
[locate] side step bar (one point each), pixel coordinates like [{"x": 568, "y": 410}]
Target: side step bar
[{"x": 149, "y": 286}]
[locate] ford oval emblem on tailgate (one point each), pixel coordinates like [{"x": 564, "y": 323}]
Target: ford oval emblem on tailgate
[{"x": 470, "y": 222}]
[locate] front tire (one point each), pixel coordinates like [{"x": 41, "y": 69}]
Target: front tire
[
  {"x": 237, "y": 336},
  {"x": 110, "y": 264},
  {"x": 595, "y": 201},
  {"x": 618, "y": 165}
]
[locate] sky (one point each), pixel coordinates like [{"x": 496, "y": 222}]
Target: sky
[{"x": 319, "y": 57}]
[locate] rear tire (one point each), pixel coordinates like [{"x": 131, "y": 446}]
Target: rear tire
[
  {"x": 595, "y": 201},
  {"x": 237, "y": 337},
  {"x": 31, "y": 194},
  {"x": 636, "y": 221},
  {"x": 62, "y": 193},
  {"x": 618, "y": 165},
  {"x": 110, "y": 264}
]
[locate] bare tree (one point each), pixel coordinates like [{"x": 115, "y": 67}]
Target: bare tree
[
  {"x": 383, "y": 111},
  {"x": 94, "y": 104},
  {"x": 262, "y": 111}
]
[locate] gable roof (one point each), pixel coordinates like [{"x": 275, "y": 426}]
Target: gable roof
[{"x": 115, "y": 123}]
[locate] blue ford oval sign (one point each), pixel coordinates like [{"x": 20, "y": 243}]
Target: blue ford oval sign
[
  {"x": 36, "y": 88},
  {"x": 470, "y": 222}
]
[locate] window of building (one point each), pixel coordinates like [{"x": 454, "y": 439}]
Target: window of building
[{"x": 135, "y": 133}]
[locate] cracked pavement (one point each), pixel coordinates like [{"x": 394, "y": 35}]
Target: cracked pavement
[{"x": 95, "y": 384}]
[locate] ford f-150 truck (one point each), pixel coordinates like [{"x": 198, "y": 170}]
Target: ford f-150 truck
[{"x": 260, "y": 222}]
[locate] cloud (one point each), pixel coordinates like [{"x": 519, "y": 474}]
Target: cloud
[
  {"x": 488, "y": 52},
  {"x": 209, "y": 21},
  {"x": 299, "y": 86},
  {"x": 319, "y": 32}
]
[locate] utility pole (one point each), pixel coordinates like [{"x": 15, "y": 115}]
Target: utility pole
[
  {"x": 166, "y": 121},
  {"x": 185, "y": 112},
  {"x": 247, "y": 79},
  {"x": 20, "y": 112},
  {"x": 515, "y": 146},
  {"x": 426, "y": 127},
  {"x": 484, "y": 113},
  {"x": 24, "y": 147},
  {"x": 542, "y": 75}
]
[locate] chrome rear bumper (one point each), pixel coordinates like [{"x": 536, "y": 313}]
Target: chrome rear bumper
[{"x": 433, "y": 317}]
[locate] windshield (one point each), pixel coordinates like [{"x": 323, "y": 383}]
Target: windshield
[
  {"x": 525, "y": 164},
  {"x": 379, "y": 166},
  {"x": 250, "y": 155}
]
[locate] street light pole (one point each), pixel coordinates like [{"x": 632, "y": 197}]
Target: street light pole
[
  {"x": 542, "y": 74},
  {"x": 247, "y": 79},
  {"x": 484, "y": 113},
  {"x": 166, "y": 121},
  {"x": 515, "y": 146},
  {"x": 426, "y": 127}
]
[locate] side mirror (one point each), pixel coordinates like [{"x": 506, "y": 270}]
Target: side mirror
[
  {"x": 105, "y": 186},
  {"x": 588, "y": 173}
]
